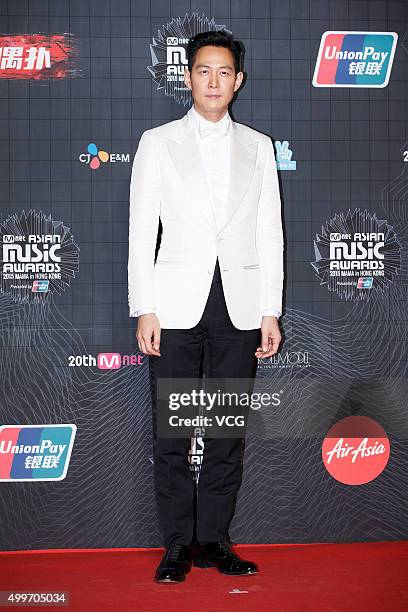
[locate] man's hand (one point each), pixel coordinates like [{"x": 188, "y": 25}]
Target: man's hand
[
  {"x": 148, "y": 334},
  {"x": 271, "y": 337}
]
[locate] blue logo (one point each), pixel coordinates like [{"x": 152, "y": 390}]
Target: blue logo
[
  {"x": 40, "y": 286},
  {"x": 284, "y": 156},
  {"x": 35, "y": 452}
]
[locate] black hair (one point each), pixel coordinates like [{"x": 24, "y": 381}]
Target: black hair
[{"x": 217, "y": 38}]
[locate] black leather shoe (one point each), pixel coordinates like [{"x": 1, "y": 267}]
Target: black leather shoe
[
  {"x": 176, "y": 562},
  {"x": 220, "y": 555}
]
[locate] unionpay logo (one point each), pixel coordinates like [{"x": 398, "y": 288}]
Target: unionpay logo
[
  {"x": 355, "y": 59},
  {"x": 365, "y": 282},
  {"x": 95, "y": 156},
  {"x": 40, "y": 286},
  {"x": 35, "y": 452}
]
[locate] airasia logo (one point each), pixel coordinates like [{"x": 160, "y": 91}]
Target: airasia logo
[{"x": 355, "y": 450}]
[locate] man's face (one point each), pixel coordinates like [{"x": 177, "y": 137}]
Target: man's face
[{"x": 212, "y": 79}]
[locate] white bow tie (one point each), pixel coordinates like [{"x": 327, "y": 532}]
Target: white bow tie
[{"x": 207, "y": 128}]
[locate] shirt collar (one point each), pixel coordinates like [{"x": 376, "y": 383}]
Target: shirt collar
[{"x": 198, "y": 119}]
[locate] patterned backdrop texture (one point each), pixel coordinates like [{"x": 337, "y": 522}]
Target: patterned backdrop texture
[{"x": 88, "y": 77}]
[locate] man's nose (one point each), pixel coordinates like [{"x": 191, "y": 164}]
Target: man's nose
[{"x": 214, "y": 81}]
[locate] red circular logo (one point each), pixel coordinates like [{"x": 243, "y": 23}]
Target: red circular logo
[{"x": 355, "y": 450}]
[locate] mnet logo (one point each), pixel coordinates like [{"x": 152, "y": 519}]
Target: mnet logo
[
  {"x": 105, "y": 361},
  {"x": 109, "y": 361},
  {"x": 94, "y": 156}
]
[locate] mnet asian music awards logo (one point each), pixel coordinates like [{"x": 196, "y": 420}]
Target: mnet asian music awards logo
[
  {"x": 355, "y": 59},
  {"x": 35, "y": 452},
  {"x": 39, "y": 256},
  {"x": 355, "y": 450},
  {"x": 168, "y": 52},
  {"x": 284, "y": 159},
  {"x": 356, "y": 253},
  {"x": 195, "y": 456}
]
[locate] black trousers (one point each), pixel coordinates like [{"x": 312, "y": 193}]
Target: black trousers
[{"x": 187, "y": 515}]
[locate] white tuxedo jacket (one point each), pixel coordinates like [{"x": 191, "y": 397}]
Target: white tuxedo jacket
[{"x": 168, "y": 181}]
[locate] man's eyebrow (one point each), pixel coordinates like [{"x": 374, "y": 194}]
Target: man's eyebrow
[{"x": 206, "y": 66}]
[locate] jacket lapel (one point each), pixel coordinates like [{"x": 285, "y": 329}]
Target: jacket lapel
[
  {"x": 243, "y": 153},
  {"x": 186, "y": 158}
]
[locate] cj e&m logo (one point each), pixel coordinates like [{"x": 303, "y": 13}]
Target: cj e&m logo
[
  {"x": 35, "y": 452},
  {"x": 355, "y": 59},
  {"x": 95, "y": 156}
]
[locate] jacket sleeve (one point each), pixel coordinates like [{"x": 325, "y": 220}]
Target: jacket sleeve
[
  {"x": 144, "y": 212},
  {"x": 269, "y": 236}
]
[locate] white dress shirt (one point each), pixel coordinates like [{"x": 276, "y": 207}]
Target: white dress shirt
[{"x": 213, "y": 139}]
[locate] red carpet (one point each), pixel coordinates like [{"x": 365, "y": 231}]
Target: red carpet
[{"x": 315, "y": 577}]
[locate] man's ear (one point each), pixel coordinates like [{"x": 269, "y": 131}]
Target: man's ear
[
  {"x": 238, "y": 80},
  {"x": 187, "y": 78}
]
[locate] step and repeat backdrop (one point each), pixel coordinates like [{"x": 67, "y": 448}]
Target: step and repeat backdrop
[{"x": 79, "y": 83}]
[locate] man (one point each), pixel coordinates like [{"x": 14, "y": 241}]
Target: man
[{"x": 216, "y": 283}]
